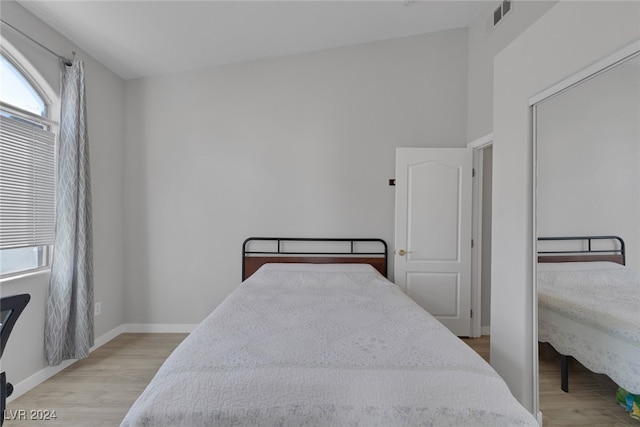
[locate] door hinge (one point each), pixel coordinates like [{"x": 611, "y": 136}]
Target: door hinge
[
  {"x": 472, "y": 243},
  {"x": 471, "y": 314},
  {"x": 473, "y": 172}
]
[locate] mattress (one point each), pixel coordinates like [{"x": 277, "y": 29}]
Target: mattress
[
  {"x": 303, "y": 344},
  {"x": 590, "y": 310}
]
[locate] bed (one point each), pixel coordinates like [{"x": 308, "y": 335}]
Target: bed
[
  {"x": 589, "y": 306},
  {"x": 314, "y": 343}
]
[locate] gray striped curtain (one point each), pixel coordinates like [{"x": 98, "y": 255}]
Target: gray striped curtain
[{"x": 69, "y": 319}]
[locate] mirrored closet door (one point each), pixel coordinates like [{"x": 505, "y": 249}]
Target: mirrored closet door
[{"x": 587, "y": 199}]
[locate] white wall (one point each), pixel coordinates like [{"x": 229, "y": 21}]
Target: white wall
[
  {"x": 566, "y": 39},
  {"x": 588, "y": 152},
  {"x": 296, "y": 146},
  {"x": 24, "y": 354},
  {"x": 485, "y": 41}
]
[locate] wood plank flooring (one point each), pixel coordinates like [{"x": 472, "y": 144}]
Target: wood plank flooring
[
  {"x": 591, "y": 400},
  {"x": 98, "y": 391}
]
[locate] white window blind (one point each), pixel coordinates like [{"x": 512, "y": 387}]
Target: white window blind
[{"x": 27, "y": 183}]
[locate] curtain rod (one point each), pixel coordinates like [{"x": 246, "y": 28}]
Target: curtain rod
[{"x": 67, "y": 61}]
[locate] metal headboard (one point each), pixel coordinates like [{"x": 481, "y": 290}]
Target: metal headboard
[
  {"x": 349, "y": 253},
  {"x": 615, "y": 255}
]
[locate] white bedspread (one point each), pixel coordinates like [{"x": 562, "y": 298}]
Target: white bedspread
[
  {"x": 605, "y": 295},
  {"x": 324, "y": 345},
  {"x": 591, "y": 311}
]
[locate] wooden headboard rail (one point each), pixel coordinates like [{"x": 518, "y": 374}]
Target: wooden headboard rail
[
  {"x": 616, "y": 254},
  {"x": 348, "y": 253}
]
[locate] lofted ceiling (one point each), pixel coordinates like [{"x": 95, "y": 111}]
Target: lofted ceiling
[{"x": 148, "y": 38}]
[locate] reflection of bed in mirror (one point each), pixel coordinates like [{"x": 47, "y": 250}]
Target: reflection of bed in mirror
[{"x": 589, "y": 306}]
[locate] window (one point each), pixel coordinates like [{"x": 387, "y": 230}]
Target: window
[{"x": 27, "y": 174}]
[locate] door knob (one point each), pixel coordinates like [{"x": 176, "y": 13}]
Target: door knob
[{"x": 402, "y": 252}]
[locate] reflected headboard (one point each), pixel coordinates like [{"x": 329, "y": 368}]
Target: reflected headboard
[
  {"x": 581, "y": 249},
  {"x": 257, "y": 251}
]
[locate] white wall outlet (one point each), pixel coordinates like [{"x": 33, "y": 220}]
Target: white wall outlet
[{"x": 98, "y": 309}]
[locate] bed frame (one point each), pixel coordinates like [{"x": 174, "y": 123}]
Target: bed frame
[
  {"x": 617, "y": 255},
  {"x": 326, "y": 251}
]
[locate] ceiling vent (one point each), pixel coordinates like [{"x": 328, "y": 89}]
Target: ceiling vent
[{"x": 501, "y": 11}]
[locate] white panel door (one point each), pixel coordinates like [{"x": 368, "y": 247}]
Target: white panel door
[{"x": 432, "y": 260}]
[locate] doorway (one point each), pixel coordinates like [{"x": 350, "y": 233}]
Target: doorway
[{"x": 482, "y": 219}]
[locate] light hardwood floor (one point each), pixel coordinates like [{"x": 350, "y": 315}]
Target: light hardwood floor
[
  {"x": 98, "y": 391},
  {"x": 591, "y": 400}
]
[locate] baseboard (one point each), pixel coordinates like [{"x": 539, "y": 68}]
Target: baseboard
[
  {"x": 540, "y": 418},
  {"x": 44, "y": 374},
  {"x": 36, "y": 379},
  {"x": 158, "y": 328},
  {"x": 485, "y": 330},
  {"x": 105, "y": 338}
]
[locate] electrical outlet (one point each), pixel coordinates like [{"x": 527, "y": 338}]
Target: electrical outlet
[{"x": 98, "y": 309}]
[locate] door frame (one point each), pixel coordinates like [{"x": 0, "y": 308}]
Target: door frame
[{"x": 478, "y": 147}]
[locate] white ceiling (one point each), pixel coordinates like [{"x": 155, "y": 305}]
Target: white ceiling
[{"x": 147, "y": 38}]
